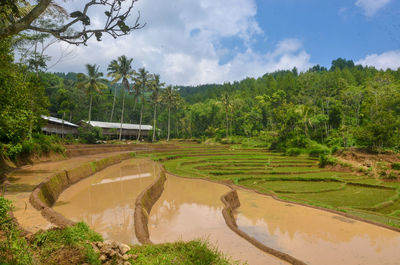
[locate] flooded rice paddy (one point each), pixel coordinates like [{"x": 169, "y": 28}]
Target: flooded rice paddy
[
  {"x": 190, "y": 209},
  {"x": 315, "y": 236},
  {"x": 106, "y": 200}
]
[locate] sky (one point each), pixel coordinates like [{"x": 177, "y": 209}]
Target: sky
[{"x": 193, "y": 42}]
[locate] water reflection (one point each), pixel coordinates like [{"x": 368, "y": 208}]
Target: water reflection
[
  {"x": 106, "y": 200},
  {"x": 315, "y": 236},
  {"x": 191, "y": 209}
]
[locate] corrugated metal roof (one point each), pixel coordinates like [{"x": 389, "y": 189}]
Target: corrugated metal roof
[
  {"x": 115, "y": 125},
  {"x": 59, "y": 121}
]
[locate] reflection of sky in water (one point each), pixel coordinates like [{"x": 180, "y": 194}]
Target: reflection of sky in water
[
  {"x": 259, "y": 232},
  {"x": 125, "y": 178},
  {"x": 314, "y": 236},
  {"x": 106, "y": 200}
]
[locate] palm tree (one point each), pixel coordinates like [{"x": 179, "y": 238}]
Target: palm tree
[
  {"x": 170, "y": 98},
  {"x": 155, "y": 98},
  {"x": 121, "y": 69},
  {"x": 142, "y": 85},
  {"x": 91, "y": 83},
  {"x": 226, "y": 101}
]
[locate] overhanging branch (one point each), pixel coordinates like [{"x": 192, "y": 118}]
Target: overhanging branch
[{"x": 115, "y": 24}]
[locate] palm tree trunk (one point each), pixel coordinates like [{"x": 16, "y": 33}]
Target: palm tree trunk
[
  {"x": 140, "y": 122},
  {"x": 122, "y": 115},
  {"x": 62, "y": 127},
  {"x": 227, "y": 124},
  {"x": 169, "y": 122},
  {"x": 112, "y": 110},
  {"x": 154, "y": 123},
  {"x": 90, "y": 108}
]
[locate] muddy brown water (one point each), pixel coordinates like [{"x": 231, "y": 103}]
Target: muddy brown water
[
  {"x": 191, "y": 209},
  {"x": 26, "y": 178},
  {"x": 106, "y": 200},
  {"x": 315, "y": 236}
]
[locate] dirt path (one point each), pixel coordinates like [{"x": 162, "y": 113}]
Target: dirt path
[{"x": 26, "y": 178}]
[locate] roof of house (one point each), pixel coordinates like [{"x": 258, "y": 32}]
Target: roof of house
[
  {"x": 59, "y": 121},
  {"x": 115, "y": 125}
]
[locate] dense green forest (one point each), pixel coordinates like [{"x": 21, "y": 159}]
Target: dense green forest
[
  {"x": 344, "y": 106},
  {"x": 347, "y": 105}
]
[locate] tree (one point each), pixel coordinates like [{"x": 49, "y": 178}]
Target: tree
[
  {"x": 226, "y": 101},
  {"x": 142, "y": 85},
  {"x": 170, "y": 98},
  {"x": 155, "y": 86},
  {"x": 121, "y": 69},
  {"x": 22, "y": 99},
  {"x": 91, "y": 83},
  {"x": 20, "y": 15}
]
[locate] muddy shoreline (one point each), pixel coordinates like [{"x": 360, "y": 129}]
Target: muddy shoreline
[
  {"x": 143, "y": 205},
  {"x": 231, "y": 202},
  {"x": 46, "y": 193}
]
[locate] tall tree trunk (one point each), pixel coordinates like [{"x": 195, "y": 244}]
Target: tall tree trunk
[
  {"x": 227, "y": 123},
  {"x": 169, "y": 122},
  {"x": 140, "y": 122},
  {"x": 62, "y": 127},
  {"x": 90, "y": 108},
  {"x": 70, "y": 116},
  {"x": 154, "y": 122},
  {"x": 122, "y": 115},
  {"x": 113, "y": 106}
]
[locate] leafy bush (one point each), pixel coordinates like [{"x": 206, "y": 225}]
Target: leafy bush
[
  {"x": 12, "y": 151},
  {"x": 39, "y": 145},
  {"x": 396, "y": 166},
  {"x": 325, "y": 160},
  {"x": 318, "y": 150},
  {"x": 293, "y": 151},
  {"x": 391, "y": 176},
  {"x": 14, "y": 249},
  {"x": 89, "y": 135},
  {"x": 335, "y": 148}
]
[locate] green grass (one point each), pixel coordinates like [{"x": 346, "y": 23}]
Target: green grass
[
  {"x": 293, "y": 186},
  {"x": 295, "y": 178},
  {"x": 193, "y": 252},
  {"x": 73, "y": 239},
  {"x": 351, "y": 196}
]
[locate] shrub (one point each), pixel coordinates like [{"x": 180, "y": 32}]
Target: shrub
[
  {"x": 325, "y": 160},
  {"x": 12, "y": 151},
  {"x": 89, "y": 135},
  {"x": 335, "y": 148},
  {"x": 396, "y": 166},
  {"x": 13, "y": 250},
  {"x": 318, "y": 151},
  {"x": 293, "y": 151},
  {"x": 391, "y": 176}
]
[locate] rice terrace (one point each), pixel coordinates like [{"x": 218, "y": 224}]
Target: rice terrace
[{"x": 199, "y": 132}]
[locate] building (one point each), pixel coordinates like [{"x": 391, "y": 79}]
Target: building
[
  {"x": 59, "y": 126},
  {"x": 111, "y": 129}
]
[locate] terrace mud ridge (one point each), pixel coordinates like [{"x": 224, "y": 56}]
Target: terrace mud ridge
[
  {"x": 231, "y": 202},
  {"x": 143, "y": 205},
  {"x": 46, "y": 193}
]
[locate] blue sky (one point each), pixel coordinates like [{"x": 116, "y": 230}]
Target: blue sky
[
  {"x": 330, "y": 29},
  {"x": 192, "y": 42}
]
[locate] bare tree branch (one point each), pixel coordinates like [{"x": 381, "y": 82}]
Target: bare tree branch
[{"x": 115, "y": 24}]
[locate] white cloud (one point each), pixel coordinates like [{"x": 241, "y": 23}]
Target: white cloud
[
  {"x": 183, "y": 41},
  {"x": 370, "y": 7},
  {"x": 382, "y": 61}
]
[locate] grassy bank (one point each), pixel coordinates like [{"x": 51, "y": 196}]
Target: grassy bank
[{"x": 295, "y": 178}]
